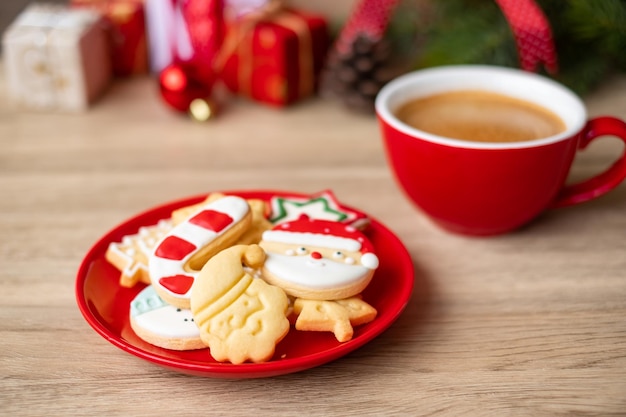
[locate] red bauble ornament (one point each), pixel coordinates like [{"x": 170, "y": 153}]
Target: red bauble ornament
[{"x": 180, "y": 85}]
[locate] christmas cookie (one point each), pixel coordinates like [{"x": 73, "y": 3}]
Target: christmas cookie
[
  {"x": 241, "y": 318},
  {"x": 339, "y": 316},
  {"x": 183, "y": 213},
  {"x": 179, "y": 256},
  {"x": 131, "y": 255},
  {"x": 320, "y": 206},
  {"x": 318, "y": 259},
  {"x": 163, "y": 325},
  {"x": 259, "y": 224}
]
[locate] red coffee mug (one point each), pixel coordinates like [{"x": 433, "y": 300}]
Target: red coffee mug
[{"x": 481, "y": 188}]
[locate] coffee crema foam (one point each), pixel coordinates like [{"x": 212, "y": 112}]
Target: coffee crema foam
[{"x": 480, "y": 116}]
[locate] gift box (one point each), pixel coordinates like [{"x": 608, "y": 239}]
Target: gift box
[
  {"x": 277, "y": 60},
  {"x": 126, "y": 29},
  {"x": 184, "y": 31},
  {"x": 56, "y": 58}
]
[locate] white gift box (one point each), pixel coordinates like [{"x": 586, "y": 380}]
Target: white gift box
[
  {"x": 171, "y": 38},
  {"x": 56, "y": 58}
]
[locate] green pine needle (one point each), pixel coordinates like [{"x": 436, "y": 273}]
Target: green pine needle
[{"x": 590, "y": 36}]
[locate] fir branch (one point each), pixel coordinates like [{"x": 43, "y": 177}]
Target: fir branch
[
  {"x": 590, "y": 37},
  {"x": 458, "y": 37},
  {"x": 603, "y": 19},
  {"x": 604, "y": 24}
]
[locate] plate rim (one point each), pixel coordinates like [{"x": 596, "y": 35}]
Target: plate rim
[{"x": 247, "y": 369}]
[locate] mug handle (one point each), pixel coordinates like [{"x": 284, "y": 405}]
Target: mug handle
[{"x": 605, "y": 181}]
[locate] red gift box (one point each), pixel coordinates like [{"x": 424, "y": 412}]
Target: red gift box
[
  {"x": 184, "y": 31},
  {"x": 277, "y": 60},
  {"x": 126, "y": 28}
]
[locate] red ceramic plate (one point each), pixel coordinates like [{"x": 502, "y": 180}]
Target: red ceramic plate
[{"x": 105, "y": 305}]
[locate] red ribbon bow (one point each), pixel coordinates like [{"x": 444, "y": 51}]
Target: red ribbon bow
[
  {"x": 532, "y": 34},
  {"x": 370, "y": 18},
  {"x": 528, "y": 23}
]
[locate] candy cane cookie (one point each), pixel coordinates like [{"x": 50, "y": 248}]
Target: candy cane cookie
[
  {"x": 181, "y": 253},
  {"x": 260, "y": 223}
]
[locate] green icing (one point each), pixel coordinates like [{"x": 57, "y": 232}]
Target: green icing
[
  {"x": 283, "y": 208},
  {"x": 147, "y": 300}
]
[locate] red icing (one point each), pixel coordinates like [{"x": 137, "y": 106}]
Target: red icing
[
  {"x": 178, "y": 284},
  {"x": 212, "y": 220},
  {"x": 174, "y": 248},
  {"x": 316, "y": 255},
  {"x": 324, "y": 227}
]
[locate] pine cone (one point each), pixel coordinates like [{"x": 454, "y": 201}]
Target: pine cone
[{"x": 357, "y": 76}]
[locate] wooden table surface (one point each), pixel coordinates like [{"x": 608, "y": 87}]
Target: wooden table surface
[{"x": 531, "y": 323}]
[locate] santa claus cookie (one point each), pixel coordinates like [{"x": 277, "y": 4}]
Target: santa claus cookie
[
  {"x": 318, "y": 259},
  {"x": 179, "y": 256}
]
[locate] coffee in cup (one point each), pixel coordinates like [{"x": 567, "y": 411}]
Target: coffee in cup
[
  {"x": 496, "y": 173},
  {"x": 481, "y": 116}
]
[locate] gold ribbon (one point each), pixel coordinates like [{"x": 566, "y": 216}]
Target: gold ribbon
[
  {"x": 119, "y": 11},
  {"x": 240, "y": 29},
  {"x": 273, "y": 12}
]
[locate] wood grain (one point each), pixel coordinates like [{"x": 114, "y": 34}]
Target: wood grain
[{"x": 532, "y": 323}]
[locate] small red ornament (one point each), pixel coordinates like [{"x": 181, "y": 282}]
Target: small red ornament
[{"x": 180, "y": 85}]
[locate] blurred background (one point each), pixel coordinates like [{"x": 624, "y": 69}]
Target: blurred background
[
  {"x": 589, "y": 38},
  {"x": 9, "y": 9}
]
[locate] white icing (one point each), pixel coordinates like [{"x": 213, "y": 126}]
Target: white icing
[
  {"x": 235, "y": 207},
  {"x": 369, "y": 260},
  {"x": 162, "y": 319},
  {"x": 312, "y": 239},
  {"x": 313, "y": 273},
  {"x": 158, "y": 231},
  {"x": 195, "y": 234},
  {"x": 143, "y": 245}
]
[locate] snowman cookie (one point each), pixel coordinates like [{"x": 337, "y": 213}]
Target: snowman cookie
[{"x": 163, "y": 325}]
